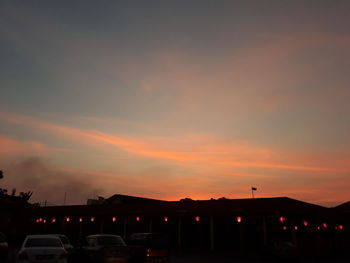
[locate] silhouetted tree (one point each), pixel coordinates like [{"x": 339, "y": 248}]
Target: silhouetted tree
[
  {"x": 23, "y": 195},
  {"x": 26, "y": 196},
  {"x": 3, "y": 191}
]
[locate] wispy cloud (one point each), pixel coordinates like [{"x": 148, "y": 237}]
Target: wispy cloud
[
  {"x": 198, "y": 150},
  {"x": 12, "y": 146}
]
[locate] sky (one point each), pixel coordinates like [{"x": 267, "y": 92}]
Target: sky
[{"x": 174, "y": 99}]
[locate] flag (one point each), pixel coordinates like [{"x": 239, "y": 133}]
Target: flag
[{"x": 254, "y": 189}]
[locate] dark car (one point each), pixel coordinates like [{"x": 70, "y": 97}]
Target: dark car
[
  {"x": 105, "y": 248},
  {"x": 149, "y": 247},
  {"x": 66, "y": 243},
  {"x": 4, "y": 248},
  {"x": 282, "y": 250}
]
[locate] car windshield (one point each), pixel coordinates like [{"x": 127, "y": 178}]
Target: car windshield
[
  {"x": 64, "y": 240},
  {"x": 111, "y": 241},
  {"x": 43, "y": 242}
]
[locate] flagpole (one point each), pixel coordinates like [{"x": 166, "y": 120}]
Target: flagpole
[{"x": 253, "y": 189}]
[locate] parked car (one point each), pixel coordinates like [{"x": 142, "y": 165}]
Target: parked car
[
  {"x": 149, "y": 247},
  {"x": 4, "y": 248},
  {"x": 105, "y": 248},
  {"x": 42, "y": 248},
  {"x": 66, "y": 243},
  {"x": 281, "y": 250}
]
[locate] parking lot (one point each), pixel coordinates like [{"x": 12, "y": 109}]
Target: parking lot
[
  {"x": 225, "y": 258},
  {"x": 205, "y": 257}
]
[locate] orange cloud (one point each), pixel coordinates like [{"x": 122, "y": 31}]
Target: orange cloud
[
  {"x": 11, "y": 146},
  {"x": 199, "y": 150}
]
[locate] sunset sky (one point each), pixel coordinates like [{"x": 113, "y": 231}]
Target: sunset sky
[{"x": 175, "y": 99}]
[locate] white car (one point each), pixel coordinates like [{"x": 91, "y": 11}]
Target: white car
[{"x": 43, "y": 249}]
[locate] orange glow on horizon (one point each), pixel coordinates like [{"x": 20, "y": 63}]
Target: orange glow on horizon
[{"x": 200, "y": 158}]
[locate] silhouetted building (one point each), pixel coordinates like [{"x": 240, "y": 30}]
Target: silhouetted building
[
  {"x": 100, "y": 200},
  {"x": 225, "y": 224}
]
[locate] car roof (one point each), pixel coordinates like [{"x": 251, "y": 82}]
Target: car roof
[
  {"x": 58, "y": 235},
  {"x": 42, "y": 236}
]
